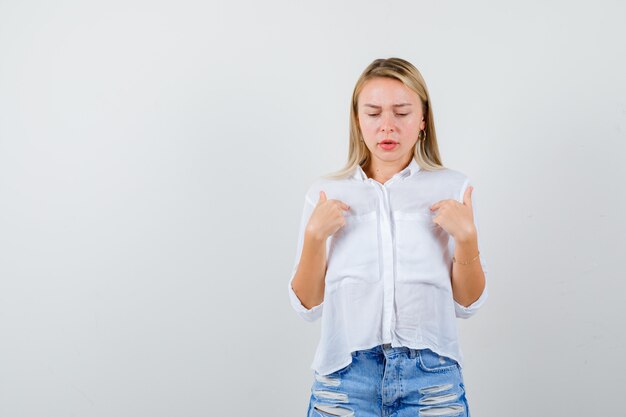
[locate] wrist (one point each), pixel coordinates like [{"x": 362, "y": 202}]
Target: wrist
[
  {"x": 468, "y": 238},
  {"x": 313, "y": 235}
]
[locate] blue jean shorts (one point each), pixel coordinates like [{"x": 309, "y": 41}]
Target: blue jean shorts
[{"x": 391, "y": 381}]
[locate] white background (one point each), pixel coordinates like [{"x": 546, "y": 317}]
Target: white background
[{"x": 153, "y": 162}]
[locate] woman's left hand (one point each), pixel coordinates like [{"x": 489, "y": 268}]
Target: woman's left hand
[{"x": 456, "y": 218}]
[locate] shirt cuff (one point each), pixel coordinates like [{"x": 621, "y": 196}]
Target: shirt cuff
[
  {"x": 308, "y": 314},
  {"x": 466, "y": 312}
]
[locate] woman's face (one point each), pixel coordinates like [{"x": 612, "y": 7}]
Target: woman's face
[{"x": 388, "y": 110}]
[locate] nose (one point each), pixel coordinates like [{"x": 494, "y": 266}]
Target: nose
[{"x": 387, "y": 124}]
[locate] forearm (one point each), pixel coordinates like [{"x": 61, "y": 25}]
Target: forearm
[
  {"x": 468, "y": 281},
  {"x": 309, "y": 280}
]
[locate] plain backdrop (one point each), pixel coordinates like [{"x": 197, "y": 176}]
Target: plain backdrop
[{"x": 154, "y": 157}]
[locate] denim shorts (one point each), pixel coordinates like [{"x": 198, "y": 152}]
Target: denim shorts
[{"x": 391, "y": 381}]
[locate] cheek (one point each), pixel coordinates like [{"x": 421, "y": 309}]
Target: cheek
[
  {"x": 367, "y": 128},
  {"x": 412, "y": 124},
  {"x": 365, "y": 121}
]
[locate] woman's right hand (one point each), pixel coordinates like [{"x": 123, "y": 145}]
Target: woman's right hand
[{"x": 327, "y": 217}]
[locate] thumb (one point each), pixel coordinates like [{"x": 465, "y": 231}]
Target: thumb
[
  {"x": 467, "y": 197},
  {"x": 322, "y": 197}
]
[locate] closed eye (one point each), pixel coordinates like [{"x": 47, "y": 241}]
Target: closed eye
[{"x": 397, "y": 114}]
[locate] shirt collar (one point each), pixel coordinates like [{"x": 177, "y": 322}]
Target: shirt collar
[{"x": 413, "y": 167}]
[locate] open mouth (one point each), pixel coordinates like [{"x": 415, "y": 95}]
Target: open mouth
[{"x": 388, "y": 145}]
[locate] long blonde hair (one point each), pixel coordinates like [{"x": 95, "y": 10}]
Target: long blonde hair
[{"x": 425, "y": 152}]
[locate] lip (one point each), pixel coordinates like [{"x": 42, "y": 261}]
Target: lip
[{"x": 388, "y": 146}]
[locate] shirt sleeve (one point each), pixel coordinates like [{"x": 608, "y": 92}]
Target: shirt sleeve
[
  {"x": 460, "y": 310},
  {"x": 315, "y": 312}
]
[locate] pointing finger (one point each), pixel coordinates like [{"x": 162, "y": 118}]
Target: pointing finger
[{"x": 436, "y": 205}]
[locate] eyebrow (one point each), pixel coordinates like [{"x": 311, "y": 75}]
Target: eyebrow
[{"x": 395, "y": 105}]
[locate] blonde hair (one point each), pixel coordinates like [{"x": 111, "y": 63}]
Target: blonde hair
[{"x": 425, "y": 152}]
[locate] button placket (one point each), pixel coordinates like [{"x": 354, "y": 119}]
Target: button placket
[{"x": 387, "y": 259}]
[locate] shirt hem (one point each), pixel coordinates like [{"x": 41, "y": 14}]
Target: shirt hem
[{"x": 418, "y": 346}]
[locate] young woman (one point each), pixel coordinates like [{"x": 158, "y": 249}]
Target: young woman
[{"x": 388, "y": 257}]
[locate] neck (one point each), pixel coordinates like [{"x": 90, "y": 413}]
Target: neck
[{"x": 382, "y": 171}]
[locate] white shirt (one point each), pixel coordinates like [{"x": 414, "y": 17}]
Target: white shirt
[{"x": 389, "y": 268}]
